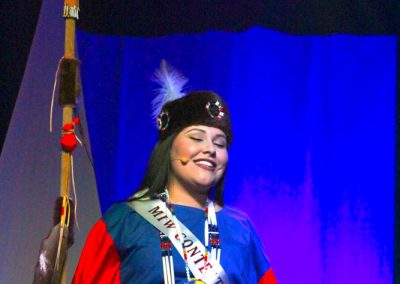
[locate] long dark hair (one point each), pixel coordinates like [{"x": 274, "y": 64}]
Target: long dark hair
[{"x": 159, "y": 169}]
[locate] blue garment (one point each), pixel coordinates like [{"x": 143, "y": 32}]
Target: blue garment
[{"x": 137, "y": 244}]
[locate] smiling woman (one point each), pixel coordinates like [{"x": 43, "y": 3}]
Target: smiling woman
[
  {"x": 171, "y": 231},
  {"x": 203, "y": 150}
]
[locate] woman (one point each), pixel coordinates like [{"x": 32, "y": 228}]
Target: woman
[{"x": 170, "y": 231}]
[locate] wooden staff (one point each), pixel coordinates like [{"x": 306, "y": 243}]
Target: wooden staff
[
  {"x": 51, "y": 265},
  {"x": 68, "y": 93}
]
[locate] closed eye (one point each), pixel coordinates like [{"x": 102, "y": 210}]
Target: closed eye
[
  {"x": 220, "y": 145},
  {"x": 196, "y": 139}
]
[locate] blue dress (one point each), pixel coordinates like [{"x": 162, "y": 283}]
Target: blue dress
[{"x": 124, "y": 248}]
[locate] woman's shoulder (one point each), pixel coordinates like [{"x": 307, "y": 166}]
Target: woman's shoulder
[
  {"x": 236, "y": 218},
  {"x": 121, "y": 219},
  {"x": 233, "y": 212},
  {"x": 121, "y": 212},
  {"x": 117, "y": 210}
]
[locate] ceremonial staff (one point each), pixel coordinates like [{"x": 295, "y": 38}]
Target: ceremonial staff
[
  {"x": 68, "y": 93},
  {"x": 52, "y": 259}
]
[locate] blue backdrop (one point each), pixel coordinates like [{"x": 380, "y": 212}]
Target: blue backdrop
[{"x": 312, "y": 160}]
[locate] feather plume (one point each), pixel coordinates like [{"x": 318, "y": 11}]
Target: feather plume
[{"x": 171, "y": 86}]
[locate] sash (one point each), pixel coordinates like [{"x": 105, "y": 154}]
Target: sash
[{"x": 157, "y": 214}]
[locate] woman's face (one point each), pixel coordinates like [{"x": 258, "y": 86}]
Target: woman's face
[{"x": 198, "y": 157}]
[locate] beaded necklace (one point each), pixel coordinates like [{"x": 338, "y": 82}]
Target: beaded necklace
[{"x": 211, "y": 239}]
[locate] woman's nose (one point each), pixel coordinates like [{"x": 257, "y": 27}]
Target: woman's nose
[{"x": 209, "y": 148}]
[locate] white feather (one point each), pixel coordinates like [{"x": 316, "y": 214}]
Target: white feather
[{"x": 171, "y": 86}]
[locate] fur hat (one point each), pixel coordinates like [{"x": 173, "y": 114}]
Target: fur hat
[
  {"x": 195, "y": 108},
  {"x": 175, "y": 110}
]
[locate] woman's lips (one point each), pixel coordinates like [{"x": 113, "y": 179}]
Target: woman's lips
[{"x": 205, "y": 164}]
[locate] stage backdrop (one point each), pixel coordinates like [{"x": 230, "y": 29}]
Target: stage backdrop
[
  {"x": 30, "y": 162},
  {"x": 312, "y": 160}
]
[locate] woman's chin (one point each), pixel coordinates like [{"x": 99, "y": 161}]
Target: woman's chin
[{"x": 204, "y": 184}]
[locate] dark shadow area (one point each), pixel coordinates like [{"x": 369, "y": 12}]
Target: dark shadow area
[
  {"x": 18, "y": 19},
  {"x": 157, "y": 18}
]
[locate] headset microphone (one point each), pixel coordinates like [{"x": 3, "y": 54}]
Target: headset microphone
[{"x": 184, "y": 160}]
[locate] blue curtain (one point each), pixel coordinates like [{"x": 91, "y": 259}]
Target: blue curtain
[{"x": 312, "y": 160}]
